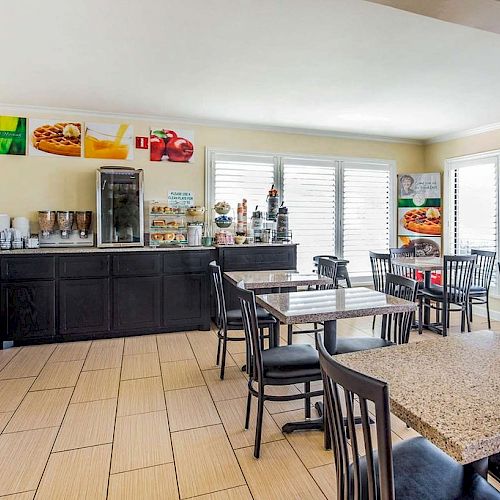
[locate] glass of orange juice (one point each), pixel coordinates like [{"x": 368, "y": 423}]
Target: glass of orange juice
[{"x": 108, "y": 145}]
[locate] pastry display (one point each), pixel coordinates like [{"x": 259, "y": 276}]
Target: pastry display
[{"x": 58, "y": 139}]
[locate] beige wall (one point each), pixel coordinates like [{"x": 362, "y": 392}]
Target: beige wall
[
  {"x": 32, "y": 183},
  {"x": 436, "y": 154}
]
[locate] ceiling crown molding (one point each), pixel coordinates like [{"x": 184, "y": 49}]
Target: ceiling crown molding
[
  {"x": 18, "y": 108},
  {"x": 464, "y": 133}
]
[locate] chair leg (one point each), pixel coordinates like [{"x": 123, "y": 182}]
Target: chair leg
[
  {"x": 446, "y": 318},
  {"x": 307, "y": 400},
  {"x": 223, "y": 360},
  {"x": 249, "y": 409},
  {"x": 258, "y": 429},
  {"x": 290, "y": 335},
  {"x": 462, "y": 320},
  {"x": 373, "y": 323},
  {"x": 470, "y": 310},
  {"x": 468, "y": 319},
  {"x": 218, "y": 349},
  {"x": 420, "y": 315},
  {"x": 487, "y": 312}
]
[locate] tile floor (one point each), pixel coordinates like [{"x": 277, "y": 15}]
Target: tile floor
[{"x": 148, "y": 418}]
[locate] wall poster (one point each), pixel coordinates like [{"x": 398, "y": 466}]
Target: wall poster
[
  {"x": 171, "y": 145},
  {"x": 55, "y": 138},
  {"x": 420, "y": 213},
  {"x": 111, "y": 141},
  {"x": 12, "y": 135}
]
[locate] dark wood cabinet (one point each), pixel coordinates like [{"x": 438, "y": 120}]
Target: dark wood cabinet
[
  {"x": 84, "y": 307},
  {"x": 137, "y": 303},
  {"x": 28, "y": 310},
  {"x": 58, "y": 296},
  {"x": 185, "y": 301}
]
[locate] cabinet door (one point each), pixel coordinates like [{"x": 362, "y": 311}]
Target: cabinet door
[
  {"x": 136, "y": 303},
  {"x": 28, "y": 310},
  {"x": 185, "y": 302},
  {"x": 83, "y": 306}
]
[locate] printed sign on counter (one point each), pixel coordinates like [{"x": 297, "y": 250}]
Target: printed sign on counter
[{"x": 180, "y": 199}]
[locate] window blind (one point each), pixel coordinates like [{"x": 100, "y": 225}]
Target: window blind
[
  {"x": 366, "y": 213},
  {"x": 309, "y": 194},
  {"x": 474, "y": 205},
  {"x": 238, "y": 176}
]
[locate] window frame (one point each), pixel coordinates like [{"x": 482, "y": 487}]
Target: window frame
[{"x": 338, "y": 162}]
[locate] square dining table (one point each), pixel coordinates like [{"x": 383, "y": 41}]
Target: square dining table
[
  {"x": 447, "y": 389},
  {"x": 328, "y": 306}
]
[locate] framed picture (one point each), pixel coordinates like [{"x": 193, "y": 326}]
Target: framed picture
[
  {"x": 110, "y": 141},
  {"x": 12, "y": 135},
  {"x": 171, "y": 145},
  {"x": 55, "y": 138},
  {"x": 424, "y": 246}
]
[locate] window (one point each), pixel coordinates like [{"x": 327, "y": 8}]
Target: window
[
  {"x": 473, "y": 195},
  {"x": 337, "y": 206}
]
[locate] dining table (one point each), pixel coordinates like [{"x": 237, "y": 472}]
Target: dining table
[
  {"x": 447, "y": 389},
  {"x": 425, "y": 265},
  {"x": 327, "y": 307}
]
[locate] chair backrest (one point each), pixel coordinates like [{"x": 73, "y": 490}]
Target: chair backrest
[
  {"x": 220, "y": 301},
  {"x": 485, "y": 264},
  {"x": 251, "y": 327},
  {"x": 402, "y": 252},
  {"x": 396, "y": 327},
  {"x": 401, "y": 269},
  {"x": 381, "y": 265},
  {"x": 458, "y": 271},
  {"x": 327, "y": 268},
  {"x": 342, "y": 383}
]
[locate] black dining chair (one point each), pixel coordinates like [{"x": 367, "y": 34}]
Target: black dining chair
[
  {"x": 396, "y": 327},
  {"x": 481, "y": 280},
  {"x": 276, "y": 366},
  {"x": 381, "y": 265},
  {"x": 231, "y": 319},
  {"x": 413, "y": 469},
  {"x": 342, "y": 272},
  {"x": 326, "y": 268},
  {"x": 453, "y": 295}
]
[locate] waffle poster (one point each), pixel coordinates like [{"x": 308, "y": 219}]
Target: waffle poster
[
  {"x": 12, "y": 135},
  {"x": 171, "y": 145},
  {"x": 55, "y": 138},
  {"x": 420, "y": 217}
]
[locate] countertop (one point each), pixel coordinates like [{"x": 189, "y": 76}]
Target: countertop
[
  {"x": 447, "y": 389},
  {"x": 75, "y": 249}
]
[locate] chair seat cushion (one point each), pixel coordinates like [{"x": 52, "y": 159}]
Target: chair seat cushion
[
  {"x": 424, "y": 472},
  {"x": 291, "y": 361},
  {"x": 345, "y": 345},
  {"x": 263, "y": 317},
  {"x": 437, "y": 291},
  {"x": 476, "y": 290}
]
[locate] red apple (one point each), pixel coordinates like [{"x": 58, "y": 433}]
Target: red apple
[
  {"x": 157, "y": 148},
  {"x": 179, "y": 149},
  {"x": 169, "y": 134}
]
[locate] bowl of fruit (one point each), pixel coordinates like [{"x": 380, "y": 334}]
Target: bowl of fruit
[
  {"x": 223, "y": 221},
  {"x": 222, "y": 207}
]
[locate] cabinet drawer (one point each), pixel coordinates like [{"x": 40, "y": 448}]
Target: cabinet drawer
[
  {"x": 84, "y": 266},
  {"x": 185, "y": 261},
  {"x": 26, "y": 267},
  {"x": 259, "y": 258},
  {"x": 139, "y": 264}
]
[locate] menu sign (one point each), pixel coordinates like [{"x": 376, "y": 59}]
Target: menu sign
[{"x": 420, "y": 213}]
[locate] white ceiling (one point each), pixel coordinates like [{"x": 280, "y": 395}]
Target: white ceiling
[{"x": 333, "y": 65}]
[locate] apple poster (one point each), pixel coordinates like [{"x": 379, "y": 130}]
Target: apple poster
[{"x": 175, "y": 145}]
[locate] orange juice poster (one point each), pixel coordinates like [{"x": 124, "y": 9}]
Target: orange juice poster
[
  {"x": 171, "y": 145},
  {"x": 55, "y": 138},
  {"x": 110, "y": 141}
]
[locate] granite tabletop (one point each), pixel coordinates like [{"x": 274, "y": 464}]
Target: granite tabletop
[
  {"x": 327, "y": 305},
  {"x": 420, "y": 263},
  {"x": 447, "y": 389},
  {"x": 275, "y": 279}
]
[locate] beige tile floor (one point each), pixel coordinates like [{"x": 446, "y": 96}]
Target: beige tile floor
[{"x": 148, "y": 418}]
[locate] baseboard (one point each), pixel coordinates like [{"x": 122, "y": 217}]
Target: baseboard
[{"x": 481, "y": 311}]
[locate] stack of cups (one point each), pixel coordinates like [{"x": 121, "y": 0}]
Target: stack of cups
[{"x": 22, "y": 224}]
